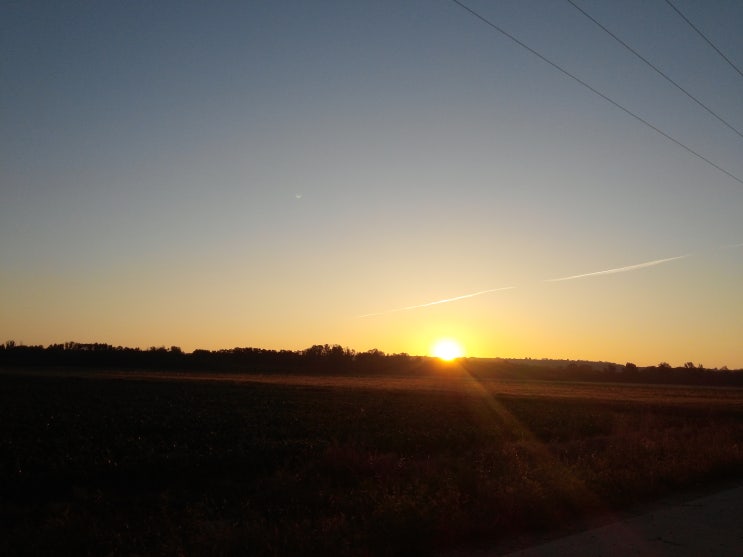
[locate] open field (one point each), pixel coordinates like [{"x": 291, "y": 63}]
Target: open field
[
  {"x": 145, "y": 463},
  {"x": 449, "y": 380}
]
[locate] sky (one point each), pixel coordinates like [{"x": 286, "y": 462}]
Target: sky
[{"x": 379, "y": 174}]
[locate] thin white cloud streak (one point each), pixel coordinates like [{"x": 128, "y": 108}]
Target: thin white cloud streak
[
  {"x": 732, "y": 246},
  {"x": 626, "y": 269},
  {"x": 437, "y": 302}
]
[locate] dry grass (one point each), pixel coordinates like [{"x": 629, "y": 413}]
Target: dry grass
[{"x": 339, "y": 466}]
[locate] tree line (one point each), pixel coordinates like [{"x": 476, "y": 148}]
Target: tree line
[
  {"x": 336, "y": 359},
  {"x": 320, "y": 357}
]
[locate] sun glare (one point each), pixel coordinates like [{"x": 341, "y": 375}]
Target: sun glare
[{"x": 447, "y": 350}]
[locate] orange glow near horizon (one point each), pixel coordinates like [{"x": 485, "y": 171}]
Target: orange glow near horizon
[{"x": 447, "y": 349}]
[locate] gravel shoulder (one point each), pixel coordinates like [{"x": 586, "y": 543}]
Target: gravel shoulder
[{"x": 709, "y": 525}]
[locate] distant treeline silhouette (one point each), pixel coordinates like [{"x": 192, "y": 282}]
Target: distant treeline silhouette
[
  {"x": 335, "y": 359},
  {"x": 317, "y": 358}
]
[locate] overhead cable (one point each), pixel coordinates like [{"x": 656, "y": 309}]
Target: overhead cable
[
  {"x": 654, "y": 67},
  {"x": 595, "y": 91},
  {"x": 686, "y": 19}
]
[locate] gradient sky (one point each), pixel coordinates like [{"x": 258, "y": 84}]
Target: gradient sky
[{"x": 280, "y": 174}]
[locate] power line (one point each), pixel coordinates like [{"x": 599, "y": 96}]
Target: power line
[
  {"x": 686, "y": 19},
  {"x": 595, "y": 91},
  {"x": 660, "y": 72}
]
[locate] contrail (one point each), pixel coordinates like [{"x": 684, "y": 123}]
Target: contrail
[
  {"x": 621, "y": 269},
  {"x": 444, "y": 301},
  {"x": 732, "y": 246},
  {"x": 481, "y": 292}
]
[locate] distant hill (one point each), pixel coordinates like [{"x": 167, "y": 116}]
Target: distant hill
[{"x": 337, "y": 360}]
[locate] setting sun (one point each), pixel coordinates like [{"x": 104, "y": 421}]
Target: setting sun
[{"x": 447, "y": 349}]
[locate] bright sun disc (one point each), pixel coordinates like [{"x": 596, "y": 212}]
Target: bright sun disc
[{"x": 448, "y": 350}]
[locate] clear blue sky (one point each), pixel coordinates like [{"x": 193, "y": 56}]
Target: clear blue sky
[{"x": 264, "y": 173}]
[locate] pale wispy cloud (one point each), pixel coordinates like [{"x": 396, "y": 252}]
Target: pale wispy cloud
[
  {"x": 624, "y": 269},
  {"x": 621, "y": 269},
  {"x": 732, "y": 246},
  {"x": 444, "y": 301}
]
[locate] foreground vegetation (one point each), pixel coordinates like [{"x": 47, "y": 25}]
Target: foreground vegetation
[
  {"x": 111, "y": 466},
  {"x": 337, "y": 360}
]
